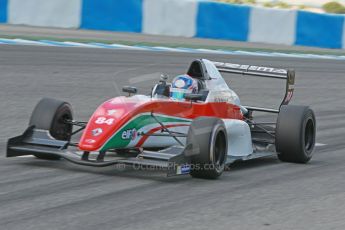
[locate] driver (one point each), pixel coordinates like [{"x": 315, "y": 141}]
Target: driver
[{"x": 181, "y": 85}]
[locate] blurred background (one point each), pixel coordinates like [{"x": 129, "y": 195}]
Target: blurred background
[
  {"x": 320, "y": 6},
  {"x": 308, "y": 23}
]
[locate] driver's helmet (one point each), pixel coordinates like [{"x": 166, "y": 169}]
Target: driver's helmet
[{"x": 181, "y": 85}]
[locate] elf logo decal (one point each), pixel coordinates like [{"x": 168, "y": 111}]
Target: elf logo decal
[{"x": 129, "y": 134}]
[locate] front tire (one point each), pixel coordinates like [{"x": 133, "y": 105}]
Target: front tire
[
  {"x": 207, "y": 145},
  {"x": 49, "y": 114},
  {"x": 295, "y": 134}
]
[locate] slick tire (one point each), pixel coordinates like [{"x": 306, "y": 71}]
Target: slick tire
[
  {"x": 295, "y": 134},
  {"x": 207, "y": 146},
  {"x": 49, "y": 114}
]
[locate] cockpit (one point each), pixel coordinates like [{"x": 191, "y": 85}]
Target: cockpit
[{"x": 197, "y": 71}]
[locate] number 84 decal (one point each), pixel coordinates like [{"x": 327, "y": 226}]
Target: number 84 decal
[{"x": 104, "y": 120}]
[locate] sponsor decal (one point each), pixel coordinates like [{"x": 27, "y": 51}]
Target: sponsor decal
[
  {"x": 120, "y": 139},
  {"x": 250, "y": 68},
  {"x": 129, "y": 134},
  {"x": 111, "y": 112},
  {"x": 182, "y": 169},
  {"x": 90, "y": 141},
  {"x": 96, "y": 132},
  {"x": 267, "y": 69},
  {"x": 185, "y": 169},
  {"x": 221, "y": 99}
]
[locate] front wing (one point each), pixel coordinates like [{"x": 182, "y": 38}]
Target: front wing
[{"x": 33, "y": 141}]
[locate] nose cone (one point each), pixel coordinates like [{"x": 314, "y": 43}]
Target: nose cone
[{"x": 107, "y": 120}]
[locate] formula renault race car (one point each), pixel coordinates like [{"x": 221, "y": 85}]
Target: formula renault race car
[{"x": 199, "y": 135}]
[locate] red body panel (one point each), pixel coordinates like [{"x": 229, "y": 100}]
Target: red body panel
[{"x": 114, "y": 113}]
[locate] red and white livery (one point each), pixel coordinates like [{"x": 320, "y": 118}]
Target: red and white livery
[{"x": 198, "y": 135}]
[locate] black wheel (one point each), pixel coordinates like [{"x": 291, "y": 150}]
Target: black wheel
[
  {"x": 295, "y": 134},
  {"x": 207, "y": 146},
  {"x": 49, "y": 114}
]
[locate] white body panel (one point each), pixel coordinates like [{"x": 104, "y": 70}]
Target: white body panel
[
  {"x": 239, "y": 138},
  {"x": 239, "y": 135},
  {"x": 219, "y": 91}
]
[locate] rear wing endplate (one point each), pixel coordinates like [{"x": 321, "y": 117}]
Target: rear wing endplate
[{"x": 261, "y": 71}]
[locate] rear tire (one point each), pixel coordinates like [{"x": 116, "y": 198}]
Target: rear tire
[
  {"x": 207, "y": 146},
  {"x": 49, "y": 114},
  {"x": 295, "y": 134}
]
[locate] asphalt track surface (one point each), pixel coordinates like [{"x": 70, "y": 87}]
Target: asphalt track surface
[{"x": 259, "y": 194}]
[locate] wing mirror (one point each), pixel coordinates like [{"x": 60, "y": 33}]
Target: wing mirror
[
  {"x": 130, "y": 90},
  {"x": 194, "y": 96},
  {"x": 164, "y": 78}
]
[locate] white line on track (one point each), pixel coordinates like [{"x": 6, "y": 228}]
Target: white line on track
[{"x": 167, "y": 49}]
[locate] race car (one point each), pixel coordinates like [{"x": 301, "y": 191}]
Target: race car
[{"x": 199, "y": 134}]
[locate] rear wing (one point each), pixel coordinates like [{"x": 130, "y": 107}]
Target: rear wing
[{"x": 261, "y": 71}]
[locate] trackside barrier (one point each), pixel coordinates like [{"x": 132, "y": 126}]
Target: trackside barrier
[{"x": 188, "y": 18}]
